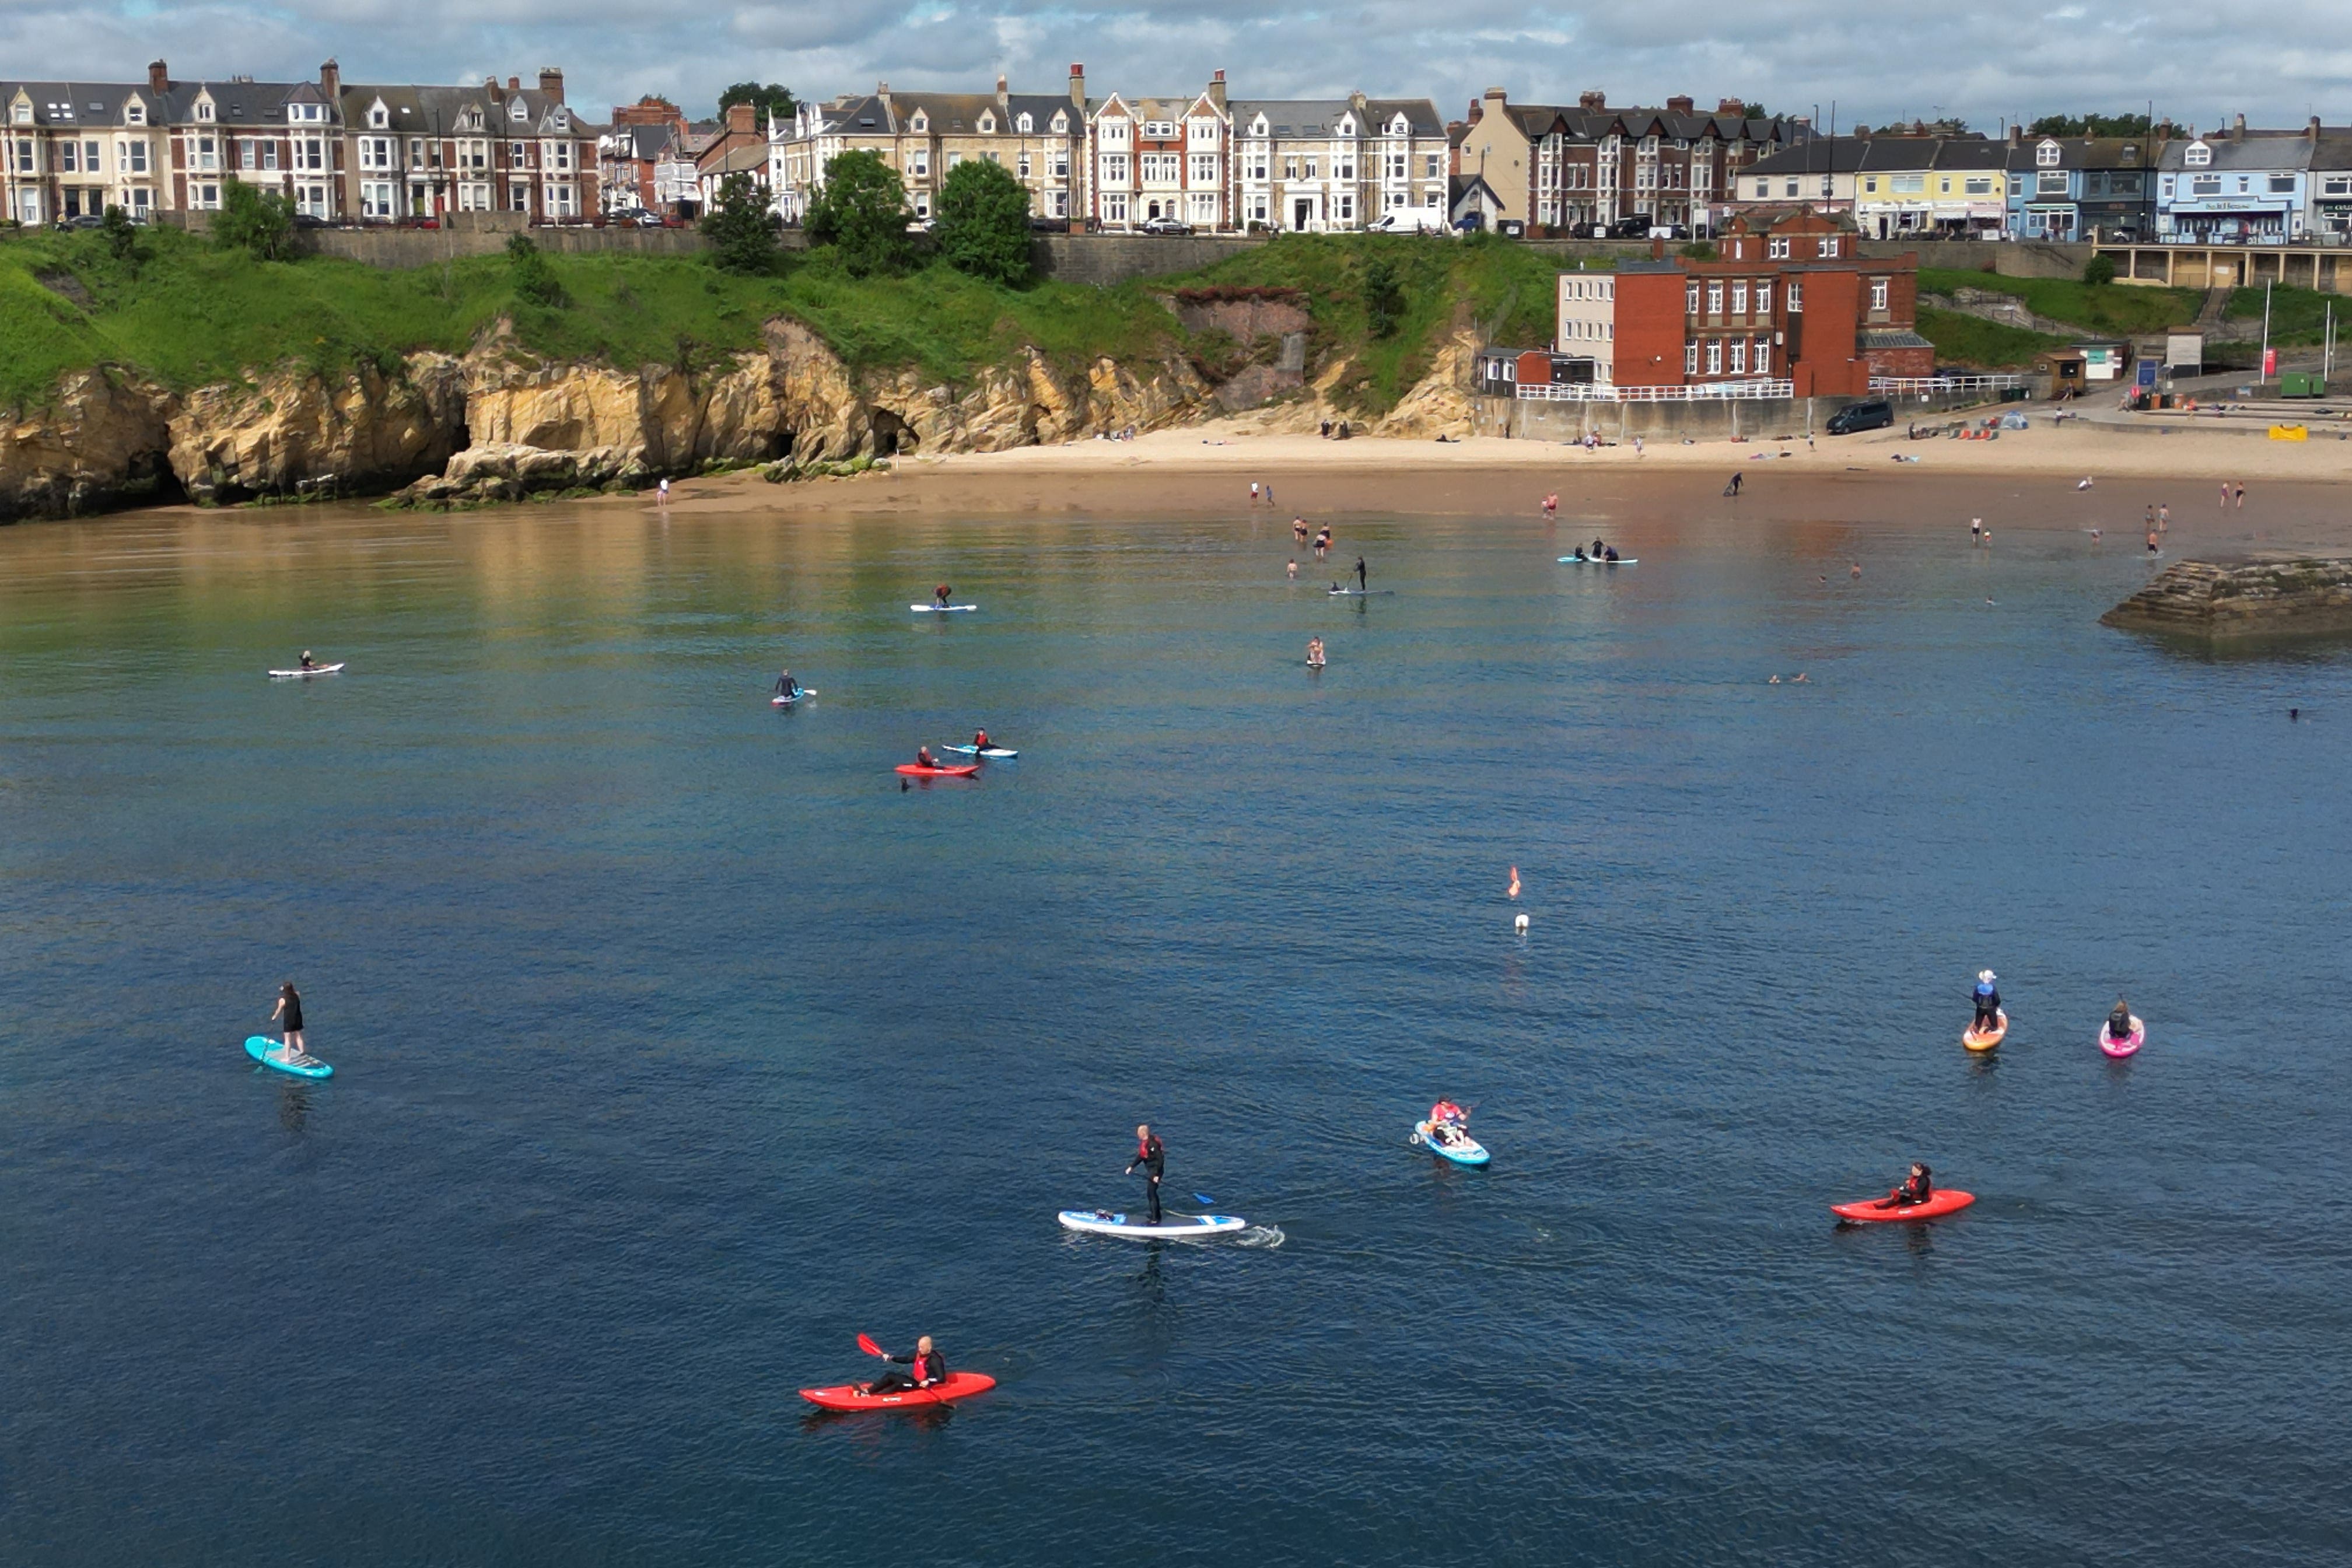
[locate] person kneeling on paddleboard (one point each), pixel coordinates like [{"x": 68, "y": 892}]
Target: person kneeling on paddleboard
[
  {"x": 1988, "y": 1003},
  {"x": 980, "y": 741},
  {"x": 2119, "y": 1022},
  {"x": 1916, "y": 1189},
  {"x": 924, "y": 1368},
  {"x": 786, "y": 685},
  {"x": 939, "y": 596},
  {"x": 1153, "y": 1158}
]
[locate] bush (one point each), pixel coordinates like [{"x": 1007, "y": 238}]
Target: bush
[
  {"x": 861, "y": 212},
  {"x": 1383, "y": 297},
  {"x": 2099, "y": 272},
  {"x": 260, "y": 223},
  {"x": 121, "y": 238},
  {"x": 741, "y": 228},
  {"x": 533, "y": 279},
  {"x": 983, "y": 222}
]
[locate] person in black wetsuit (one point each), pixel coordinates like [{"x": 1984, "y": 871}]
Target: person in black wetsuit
[
  {"x": 307, "y": 662},
  {"x": 1363, "y": 582},
  {"x": 289, "y": 1011},
  {"x": 786, "y": 685},
  {"x": 2119, "y": 1022},
  {"x": 1916, "y": 1189},
  {"x": 1987, "y": 1000},
  {"x": 924, "y": 1368},
  {"x": 1153, "y": 1158}
]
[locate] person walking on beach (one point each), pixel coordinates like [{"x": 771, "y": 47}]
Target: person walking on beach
[
  {"x": 1551, "y": 506},
  {"x": 1298, "y": 529},
  {"x": 1976, "y": 532},
  {"x": 1153, "y": 1157},
  {"x": 2152, "y": 541},
  {"x": 1269, "y": 495},
  {"x": 288, "y": 1013}
]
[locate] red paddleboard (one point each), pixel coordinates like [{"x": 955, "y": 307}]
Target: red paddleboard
[
  {"x": 1944, "y": 1200},
  {"x": 849, "y": 1396},
  {"x": 917, "y": 770}
]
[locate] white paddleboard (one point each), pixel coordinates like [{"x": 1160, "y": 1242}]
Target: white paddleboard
[
  {"x": 1596, "y": 561},
  {"x": 304, "y": 673},
  {"x": 1179, "y": 1227},
  {"x": 939, "y": 609},
  {"x": 997, "y": 752},
  {"x": 780, "y": 701}
]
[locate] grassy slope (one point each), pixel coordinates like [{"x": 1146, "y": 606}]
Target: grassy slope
[
  {"x": 2108, "y": 309},
  {"x": 2297, "y": 315},
  {"x": 1976, "y": 343}
]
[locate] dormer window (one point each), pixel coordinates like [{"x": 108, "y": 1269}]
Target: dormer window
[
  {"x": 921, "y": 122},
  {"x": 988, "y": 125},
  {"x": 1025, "y": 125},
  {"x": 1397, "y": 127},
  {"x": 517, "y": 111},
  {"x": 23, "y": 113},
  {"x": 136, "y": 114},
  {"x": 2197, "y": 156},
  {"x": 378, "y": 117},
  {"x": 2047, "y": 156},
  {"x": 1258, "y": 126},
  {"x": 1061, "y": 124},
  {"x": 204, "y": 111}
]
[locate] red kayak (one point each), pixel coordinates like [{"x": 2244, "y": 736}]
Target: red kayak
[
  {"x": 1944, "y": 1200},
  {"x": 850, "y": 1396},
  {"x": 917, "y": 770}
]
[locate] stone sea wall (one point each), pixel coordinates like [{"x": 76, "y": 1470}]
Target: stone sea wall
[
  {"x": 2225, "y": 602},
  {"x": 498, "y": 422}
]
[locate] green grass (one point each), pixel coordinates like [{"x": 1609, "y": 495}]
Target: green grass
[
  {"x": 1973, "y": 342},
  {"x": 2115, "y": 311},
  {"x": 2297, "y": 315},
  {"x": 189, "y": 315}
]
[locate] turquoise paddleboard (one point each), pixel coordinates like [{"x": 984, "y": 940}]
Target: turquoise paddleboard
[{"x": 271, "y": 1054}]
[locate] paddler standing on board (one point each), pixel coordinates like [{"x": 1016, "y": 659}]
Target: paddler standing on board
[
  {"x": 1987, "y": 999},
  {"x": 1153, "y": 1158}
]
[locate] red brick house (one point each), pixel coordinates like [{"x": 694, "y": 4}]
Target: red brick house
[{"x": 1787, "y": 298}]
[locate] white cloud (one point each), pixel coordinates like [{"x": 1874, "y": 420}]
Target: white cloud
[{"x": 1999, "y": 58}]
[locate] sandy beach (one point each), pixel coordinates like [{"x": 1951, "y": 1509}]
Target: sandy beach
[{"x": 1209, "y": 469}]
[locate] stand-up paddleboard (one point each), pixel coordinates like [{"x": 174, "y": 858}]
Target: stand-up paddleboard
[
  {"x": 1176, "y": 1227},
  {"x": 1595, "y": 561},
  {"x": 271, "y": 1054},
  {"x": 782, "y": 702},
  {"x": 1944, "y": 1200},
  {"x": 961, "y": 771},
  {"x": 1990, "y": 1037},
  {"x": 2126, "y": 1047},
  {"x": 851, "y": 1397},
  {"x": 1359, "y": 593},
  {"x": 939, "y": 609},
  {"x": 997, "y": 752},
  {"x": 1465, "y": 1150},
  {"x": 304, "y": 673}
]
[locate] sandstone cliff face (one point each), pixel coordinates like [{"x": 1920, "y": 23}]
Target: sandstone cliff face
[
  {"x": 101, "y": 443},
  {"x": 296, "y": 428}
]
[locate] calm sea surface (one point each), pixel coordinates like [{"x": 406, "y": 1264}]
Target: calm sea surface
[{"x": 676, "y": 1045}]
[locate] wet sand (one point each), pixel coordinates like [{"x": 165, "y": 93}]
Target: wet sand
[{"x": 2027, "y": 478}]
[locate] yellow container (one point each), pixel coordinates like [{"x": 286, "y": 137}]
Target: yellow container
[{"x": 2290, "y": 433}]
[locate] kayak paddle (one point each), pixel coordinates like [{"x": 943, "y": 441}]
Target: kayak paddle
[{"x": 865, "y": 1343}]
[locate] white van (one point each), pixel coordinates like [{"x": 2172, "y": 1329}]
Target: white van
[{"x": 1409, "y": 220}]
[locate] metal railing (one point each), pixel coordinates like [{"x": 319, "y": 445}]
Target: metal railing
[
  {"x": 1933, "y": 384},
  {"x": 1699, "y": 391}
]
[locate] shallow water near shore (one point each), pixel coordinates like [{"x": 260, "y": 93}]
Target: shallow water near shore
[{"x": 676, "y": 1043}]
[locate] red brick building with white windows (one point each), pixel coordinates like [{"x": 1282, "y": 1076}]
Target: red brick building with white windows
[{"x": 1787, "y": 298}]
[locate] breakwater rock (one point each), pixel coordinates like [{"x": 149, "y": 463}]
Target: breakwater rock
[{"x": 2226, "y": 601}]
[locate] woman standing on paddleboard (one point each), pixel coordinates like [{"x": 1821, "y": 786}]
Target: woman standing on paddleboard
[
  {"x": 289, "y": 1011},
  {"x": 1153, "y": 1158}
]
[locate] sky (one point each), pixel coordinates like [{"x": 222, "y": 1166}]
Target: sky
[{"x": 1994, "y": 59}]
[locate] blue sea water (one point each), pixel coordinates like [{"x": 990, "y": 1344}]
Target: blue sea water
[{"x": 677, "y": 1043}]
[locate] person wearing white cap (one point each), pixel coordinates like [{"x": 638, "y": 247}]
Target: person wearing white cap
[{"x": 1988, "y": 1003}]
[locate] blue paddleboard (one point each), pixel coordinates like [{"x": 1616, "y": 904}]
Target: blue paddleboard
[
  {"x": 1467, "y": 1152},
  {"x": 271, "y": 1054}
]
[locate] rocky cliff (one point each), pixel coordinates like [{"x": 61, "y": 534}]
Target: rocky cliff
[
  {"x": 498, "y": 422},
  {"x": 2220, "y": 602}
]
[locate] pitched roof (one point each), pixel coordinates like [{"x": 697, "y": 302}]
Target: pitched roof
[
  {"x": 1321, "y": 116},
  {"x": 2244, "y": 150},
  {"x": 79, "y": 102}
]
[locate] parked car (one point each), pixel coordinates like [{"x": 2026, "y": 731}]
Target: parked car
[
  {"x": 1512, "y": 229},
  {"x": 636, "y": 217},
  {"x": 1049, "y": 226},
  {"x": 1669, "y": 231},
  {"x": 85, "y": 220},
  {"x": 1470, "y": 223},
  {"x": 1876, "y": 413},
  {"x": 1164, "y": 225}
]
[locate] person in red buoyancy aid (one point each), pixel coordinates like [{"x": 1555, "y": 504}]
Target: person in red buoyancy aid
[
  {"x": 980, "y": 741},
  {"x": 1153, "y": 1158},
  {"x": 1448, "y": 1122},
  {"x": 924, "y": 1368},
  {"x": 1918, "y": 1188},
  {"x": 923, "y": 758}
]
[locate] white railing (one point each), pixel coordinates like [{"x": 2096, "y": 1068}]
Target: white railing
[
  {"x": 1697, "y": 392},
  {"x": 1906, "y": 384}
]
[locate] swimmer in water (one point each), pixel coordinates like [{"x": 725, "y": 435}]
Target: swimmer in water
[{"x": 1293, "y": 570}]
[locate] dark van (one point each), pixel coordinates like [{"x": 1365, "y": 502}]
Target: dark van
[{"x": 1875, "y": 414}]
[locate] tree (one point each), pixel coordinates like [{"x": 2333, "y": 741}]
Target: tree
[
  {"x": 534, "y": 279},
  {"x": 1383, "y": 297},
  {"x": 861, "y": 212},
  {"x": 2089, "y": 125},
  {"x": 2099, "y": 270},
  {"x": 774, "y": 99},
  {"x": 121, "y": 240},
  {"x": 742, "y": 226},
  {"x": 260, "y": 223},
  {"x": 983, "y": 222}
]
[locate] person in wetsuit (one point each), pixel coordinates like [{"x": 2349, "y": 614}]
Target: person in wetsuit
[
  {"x": 1988, "y": 998},
  {"x": 1363, "y": 582},
  {"x": 980, "y": 741},
  {"x": 308, "y": 663},
  {"x": 1917, "y": 1188},
  {"x": 786, "y": 685},
  {"x": 2119, "y": 1022},
  {"x": 1153, "y": 1158},
  {"x": 1609, "y": 554},
  {"x": 924, "y": 1368}
]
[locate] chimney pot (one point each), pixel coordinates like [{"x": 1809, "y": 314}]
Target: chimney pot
[
  {"x": 1732, "y": 107},
  {"x": 1592, "y": 100},
  {"x": 330, "y": 81},
  {"x": 550, "y": 82},
  {"x": 2237, "y": 124},
  {"x": 1000, "y": 87},
  {"x": 514, "y": 84},
  {"x": 159, "y": 77}
]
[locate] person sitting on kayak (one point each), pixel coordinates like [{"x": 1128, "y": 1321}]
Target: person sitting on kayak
[
  {"x": 1988, "y": 1003},
  {"x": 1917, "y": 1188},
  {"x": 2119, "y": 1022},
  {"x": 923, "y": 758},
  {"x": 924, "y": 1368},
  {"x": 786, "y": 685},
  {"x": 939, "y": 596},
  {"x": 1153, "y": 1157}
]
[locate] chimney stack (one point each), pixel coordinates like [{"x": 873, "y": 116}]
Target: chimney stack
[
  {"x": 330, "y": 82},
  {"x": 2311, "y": 131},
  {"x": 1731, "y": 106},
  {"x": 1078, "y": 87},
  {"x": 159, "y": 78},
  {"x": 1594, "y": 101},
  {"x": 514, "y": 84},
  {"x": 1217, "y": 90},
  {"x": 1680, "y": 104},
  {"x": 743, "y": 119},
  {"x": 2016, "y": 135},
  {"x": 2238, "y": 125},
  {"x": 551, "y": 82},
  {"x": 882, "y": 92}
]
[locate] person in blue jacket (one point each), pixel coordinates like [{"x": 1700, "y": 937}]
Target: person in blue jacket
[{"x": 1988, "y": 1003}]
